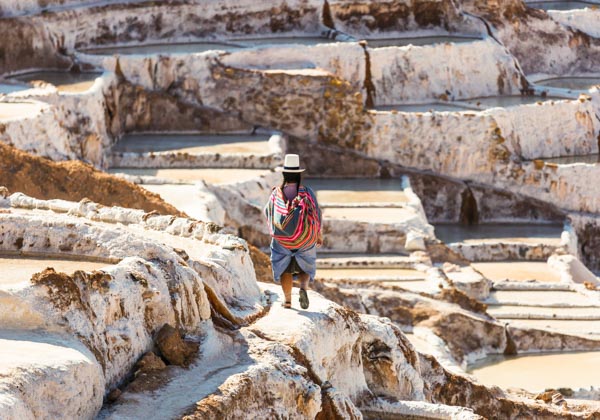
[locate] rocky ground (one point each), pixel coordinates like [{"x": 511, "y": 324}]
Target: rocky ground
[{"x": 452, "y": 146}]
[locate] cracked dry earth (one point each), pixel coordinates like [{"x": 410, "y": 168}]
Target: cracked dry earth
[{"x": 452, "y": 146}]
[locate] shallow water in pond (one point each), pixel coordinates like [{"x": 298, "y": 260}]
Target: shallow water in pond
[
  {"x": 450, "y": 233},
  {"x": 299, "y": 40},
  {"x": 569, "y": 160},
  {"x": 508, "y": 101},
  {"x": 358, "y": 190},
  {"x": 561, "y": 5},
  {"x": 574, "y": 83},
  {"x": 216, "y": 176},
  {"x": 177, "y": 48},
  {"x": 18, "y": 269},
  {"x": 535, "y": 373},
  {"x": 418, "y": 41},
  {"x": 193, "y": 143},
  {"x": 8, "y": 88},
  {"x": 64, "y": 81},
  {"x": 431, "y": 107}
]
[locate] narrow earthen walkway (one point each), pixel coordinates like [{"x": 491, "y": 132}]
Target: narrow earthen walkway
[{"x": 221, "y": 356}]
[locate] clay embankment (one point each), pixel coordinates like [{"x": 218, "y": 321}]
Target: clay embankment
[{"x": 73, "y": 180}]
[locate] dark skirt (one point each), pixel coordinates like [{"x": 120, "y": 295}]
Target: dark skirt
[{"x": 293, "y": 268}]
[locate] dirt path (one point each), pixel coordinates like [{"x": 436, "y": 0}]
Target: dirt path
[{"x": 221, "y": 356}]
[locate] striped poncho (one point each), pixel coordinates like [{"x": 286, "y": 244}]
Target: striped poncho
[{"x": 295, "y": 224}]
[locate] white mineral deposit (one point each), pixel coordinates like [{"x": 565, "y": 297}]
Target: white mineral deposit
[{"x": 453, "y": 149}]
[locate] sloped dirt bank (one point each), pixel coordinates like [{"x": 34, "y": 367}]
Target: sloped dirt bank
[{"x": 74, "y": 181}]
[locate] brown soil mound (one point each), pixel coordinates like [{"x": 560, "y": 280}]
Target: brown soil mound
[
  {"x": 463, "y": 300},
  {"x": 262, "y": 264},
  {"x": 73, "y": 180}
]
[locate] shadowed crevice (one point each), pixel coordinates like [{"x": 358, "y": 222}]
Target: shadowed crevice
[
  {"x": 469, "y": 214},
  {"x": 327, "y": 17}
]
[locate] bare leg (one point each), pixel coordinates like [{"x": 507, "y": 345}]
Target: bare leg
[
  {"x": 304, "y": 278},
  {"x": 286, "y": 285}
]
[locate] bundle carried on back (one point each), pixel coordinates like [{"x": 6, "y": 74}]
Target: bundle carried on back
[{"x": 297, "y": 223}]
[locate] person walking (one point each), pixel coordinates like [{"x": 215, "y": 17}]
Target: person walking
[{"x": 294, "y": 219}]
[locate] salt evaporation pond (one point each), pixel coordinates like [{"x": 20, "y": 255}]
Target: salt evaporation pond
[
  {"x": 5, "y": 89},
  {"x": 591, "y": 159},
  {"x": 516, "y": 232},
  {"x": 383, "y": 274},
  {"x": 418, "y": 41},
  {"x": 358, "y": 190},
  {"x": 408, "y": 279},
  {"x": 561, "y": 5},
  {"x": 386, "y": 215},
  {"x": 298, "y": 40},
  {"x": 525, "y": 271},
  {"x": 10, "y": 110},
  {"x": 175, "y": 48},
  {"x": 536, "y": 373},
  {"x": 508, "y": 101},
  {"x": 63, "y": 80},
  {"x": 211, "y": 175},
  {"x": 18, "y": 269},
  {"x": 429, "y": 107},
  {"x": 572, "y": 83},
  {"x": 193, "y": 143},
  {"x": 473, "y": 104},
  {"x": 582, "y": 327}
]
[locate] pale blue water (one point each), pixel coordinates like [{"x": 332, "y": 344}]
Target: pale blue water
[
  {"x": 176, "y": 48},
  {"x": 573, "y": 83},
  {"x": 562, "y": 5},
  {"x": 141, "y": 143},
  {"x": 418, "y": 41},
  {"x": 450, "y": 233},
  {"x": 568, "y": 160},
  {"x": 436, "y": 107},
  {"x": 283, "y": 40},
  {"x": 58, "y": 78},
  {"x": 6, "y": 88},
  {"x": 508, "y": 101},
  {"x": 355, "y": 184}
]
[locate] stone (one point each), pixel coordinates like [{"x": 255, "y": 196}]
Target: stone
[
  {"x": 414, "y": 242},
  {"x": 572, "y": 270},
  {"x": 173, "y": 348},
  {"x": 149, "y": 362},
  {"x": 114, "y": 395}
]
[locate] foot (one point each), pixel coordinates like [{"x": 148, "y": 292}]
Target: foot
[
  {"x": 304, "y": 299},
  {"x": 287, "y": 305}
]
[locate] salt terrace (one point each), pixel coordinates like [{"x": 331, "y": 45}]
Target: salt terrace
[{"x": 453, "y": 147}]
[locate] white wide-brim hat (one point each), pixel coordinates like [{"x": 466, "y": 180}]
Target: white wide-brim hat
[{"x": 292, "y": 164}]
